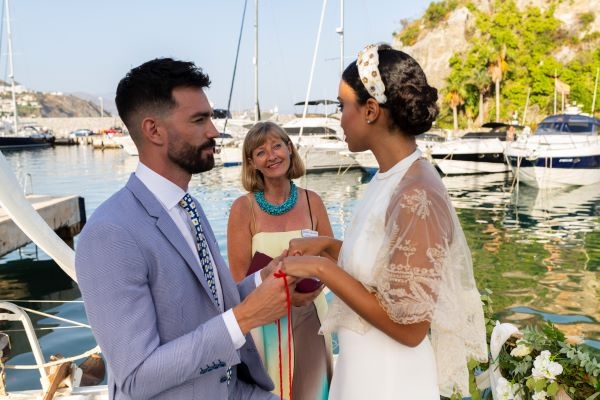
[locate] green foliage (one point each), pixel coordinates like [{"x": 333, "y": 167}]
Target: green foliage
[
  {"x": 437, "y": 12},
  {"x": 586, "y": 19},
  {"x": 518, "y": 49},
  {"x": 409, "y": 34},
  {"x": 580, "y": 368},
  {"x": 580, "y": 375}
]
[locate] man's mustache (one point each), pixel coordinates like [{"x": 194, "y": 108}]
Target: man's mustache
[{"x": 212, "y": 143}]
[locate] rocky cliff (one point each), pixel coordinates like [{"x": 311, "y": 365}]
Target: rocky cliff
[
  {"x": 32, "y": 104},
  {"x": 434, "y": 46},
  {"x": 66, "y": 106}
]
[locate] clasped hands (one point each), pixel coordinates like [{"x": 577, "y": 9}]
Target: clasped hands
[
  {"x": 301, "y": 264},
  {"x": 269, "y": 301}
]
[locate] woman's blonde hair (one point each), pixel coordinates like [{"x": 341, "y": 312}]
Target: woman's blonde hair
[{"x": 252, "y": 179}]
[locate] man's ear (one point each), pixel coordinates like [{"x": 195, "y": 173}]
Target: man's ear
[{"x": 152, "y": 131}]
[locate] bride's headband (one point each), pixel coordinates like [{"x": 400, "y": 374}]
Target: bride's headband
[{"x": 368, "y": 71}]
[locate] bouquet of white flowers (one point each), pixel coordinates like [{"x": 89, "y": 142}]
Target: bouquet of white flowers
[{"x": 540, "y": 363}]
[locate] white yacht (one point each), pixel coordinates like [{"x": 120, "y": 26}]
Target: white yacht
[
  {"x": 477, "y": 152},
  {"x": 564, "y": 150},
  {"x": 320, "y": 140}
]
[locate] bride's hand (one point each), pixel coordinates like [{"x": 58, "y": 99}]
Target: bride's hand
[
  {"x": 309, "y": 246},
  {"x": 302, "y": 266}
]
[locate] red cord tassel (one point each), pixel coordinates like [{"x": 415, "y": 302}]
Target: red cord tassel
[{"x": 281, "y": 274}]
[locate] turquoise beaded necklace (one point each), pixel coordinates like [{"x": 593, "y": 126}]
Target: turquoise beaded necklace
[{"x": 282, "y": 208}]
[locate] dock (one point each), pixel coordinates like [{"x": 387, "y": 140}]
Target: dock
[
  {"x": 105, "y": 142},
  {"x": 65, "y": 215}
]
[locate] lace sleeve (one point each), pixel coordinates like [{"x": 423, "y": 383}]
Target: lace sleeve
[
  {"x": 425, "y": 273},
  {"x": 418, "y": 230}
]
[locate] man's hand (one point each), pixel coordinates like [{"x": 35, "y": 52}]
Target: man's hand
[{"x": 267, "y": 303}]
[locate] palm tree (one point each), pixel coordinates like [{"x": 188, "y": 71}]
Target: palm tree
[
  {"x": 496, "y": 70},
  {"x": 480, "y": 81},
  {"x": 455, "y": 97}
]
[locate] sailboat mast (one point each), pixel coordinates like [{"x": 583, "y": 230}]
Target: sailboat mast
[
  {"x": 237, "y": 54},
  {"x": 312, "y": 68},
  {"x": 256, "y": 106},
  {"x": 11, "y": 73},
  {"x": 340, "y": 31}
]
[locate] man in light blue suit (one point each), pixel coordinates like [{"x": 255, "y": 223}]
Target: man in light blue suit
[{"x": 168, "y": 328}]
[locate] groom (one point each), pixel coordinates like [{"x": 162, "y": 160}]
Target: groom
[{"x": 170, "y": 320}]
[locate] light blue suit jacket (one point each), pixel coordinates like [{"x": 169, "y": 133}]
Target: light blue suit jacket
[{"x": 151, "y": 310}]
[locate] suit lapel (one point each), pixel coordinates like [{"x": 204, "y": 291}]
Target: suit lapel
[{"x": 166, "y": 225}]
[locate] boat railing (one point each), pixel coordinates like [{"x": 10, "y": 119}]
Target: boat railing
[
  {"x": 562, "y": 140},
  {"x": 14, "y": 313}
]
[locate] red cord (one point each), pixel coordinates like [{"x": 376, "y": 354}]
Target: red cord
[{"x": 280, "y": 274}]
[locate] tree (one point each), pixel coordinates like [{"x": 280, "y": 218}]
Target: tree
[
  {"x": 515, "y": 49},
  {"x": 496, "y": 70},
  {"x": 481, "y": 81},
  {"x": 454, "y": 97}
]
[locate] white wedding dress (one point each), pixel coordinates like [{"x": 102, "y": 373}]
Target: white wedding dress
[{"x": 398, "y": 245}]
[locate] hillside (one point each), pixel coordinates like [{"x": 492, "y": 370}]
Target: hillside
[
  {"x": 459, "y": 41},
  {"x": 31, "y": 104},
  {"x": 66, "y": 106}
]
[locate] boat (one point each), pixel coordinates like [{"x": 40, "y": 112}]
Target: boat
[
  {"x": 231, "y": 138},
  {"x": 33, "y": 225},
  {"x": 26, "y": 139},
  {"x": 564, "y": 150},
  {"x": 59, "y": 376},
  {"x": 425, "y": 141},
  {"x": 477, "y": 152},
  {"x": 318, "y": 136},
  {"x": 126, "y": 143},
  {"x": 365, "y": 159},
  {"x": 29, "y": 136}
]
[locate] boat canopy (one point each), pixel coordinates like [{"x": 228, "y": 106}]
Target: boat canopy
[
  {"x": 319, "y": 108},
  {"x": 497, "y": 130},
  {"x": 568, "y": 124},
  {"x": 317, "y": 102}
]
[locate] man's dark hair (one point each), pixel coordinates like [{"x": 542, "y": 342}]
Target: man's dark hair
[{"x": 150, "y": 86}]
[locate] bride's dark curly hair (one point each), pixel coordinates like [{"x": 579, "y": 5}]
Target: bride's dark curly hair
[{"x": 410, "y": 100}]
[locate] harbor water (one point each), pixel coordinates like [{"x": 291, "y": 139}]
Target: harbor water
[{"x": 538, "y": 251}]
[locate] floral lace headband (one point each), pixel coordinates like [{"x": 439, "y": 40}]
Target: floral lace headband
[{"x": 367, "y": 63}]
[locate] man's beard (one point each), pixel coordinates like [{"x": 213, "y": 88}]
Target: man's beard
[{"x": 191, "y": 159}]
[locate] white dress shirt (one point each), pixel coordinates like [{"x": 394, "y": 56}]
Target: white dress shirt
[{"x": 169, "y": 195}]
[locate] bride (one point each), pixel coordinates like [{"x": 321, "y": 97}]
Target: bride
[{"x": 406, "y": 309}]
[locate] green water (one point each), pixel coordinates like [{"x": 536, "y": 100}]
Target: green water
[{"x": 538, "y": 251}]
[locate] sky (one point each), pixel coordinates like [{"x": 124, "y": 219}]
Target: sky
[{"x": 87, "y": 46}]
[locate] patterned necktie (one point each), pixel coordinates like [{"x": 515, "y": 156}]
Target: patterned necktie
[
  {"x": 201, "y": 246},
  {"x": 190, "y": 207}
]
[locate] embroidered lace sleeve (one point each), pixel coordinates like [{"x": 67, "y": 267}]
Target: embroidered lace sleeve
[{"x": 418, "y": 232}]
